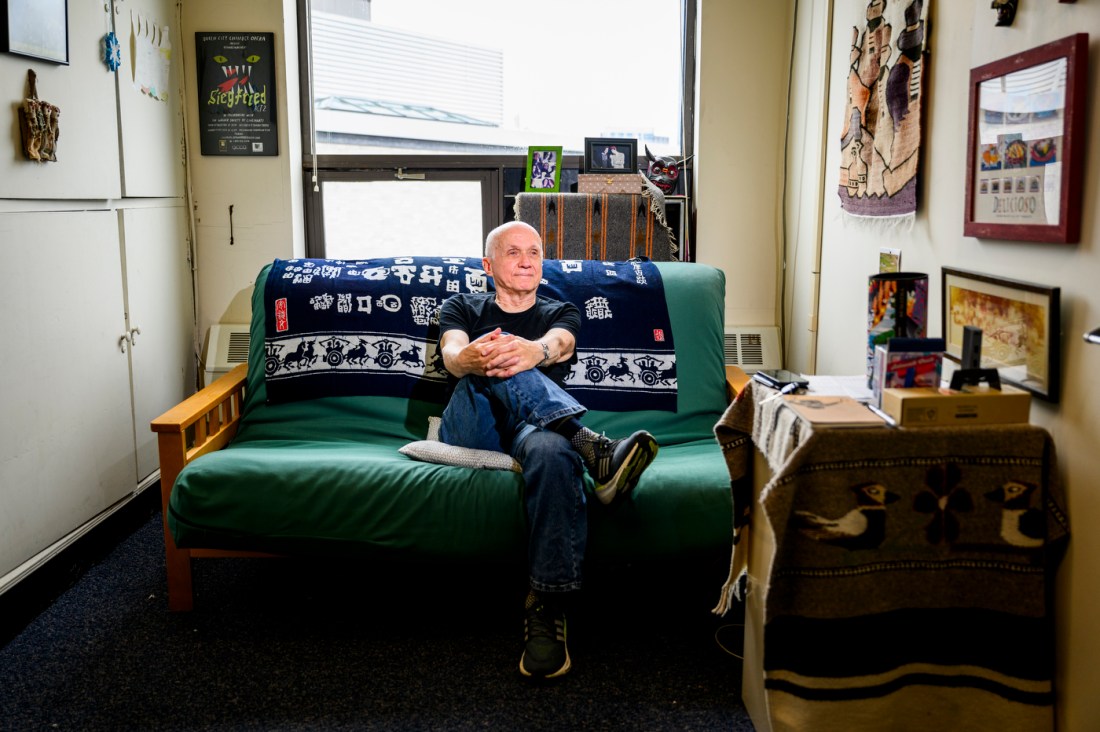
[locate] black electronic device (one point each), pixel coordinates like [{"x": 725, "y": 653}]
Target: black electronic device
[
  {"x": 780, "y": 378},
  {"x": 971, "y": 348}
]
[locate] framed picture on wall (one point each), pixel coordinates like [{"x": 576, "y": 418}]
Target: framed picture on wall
[
  {"x": 1027, "y": 128},
  {"x": 543, "y": 170},
  {"x": 610, "y": 155},
  {"x": 35, "y": 28},
  {"x": 238, "y": 114},
  {"x": 1020, "y": 324}
]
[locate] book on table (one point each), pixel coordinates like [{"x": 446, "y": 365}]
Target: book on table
[{"x": 833, "y": 411}]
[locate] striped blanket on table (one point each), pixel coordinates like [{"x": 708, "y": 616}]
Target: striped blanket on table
[{"x": 912, "y": 574}]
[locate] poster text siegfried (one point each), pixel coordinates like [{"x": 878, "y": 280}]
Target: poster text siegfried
[{"x": 255, "y": 100}]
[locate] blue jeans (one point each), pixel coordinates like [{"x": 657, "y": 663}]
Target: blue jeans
[{"x": 511, "y": 415}]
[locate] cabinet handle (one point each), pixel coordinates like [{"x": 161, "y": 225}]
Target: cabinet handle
[
  {"x": 123, "y": 340},
  {"x": 134, "y": 333}
]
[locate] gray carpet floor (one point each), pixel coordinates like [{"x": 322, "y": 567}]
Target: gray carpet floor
[{"x": 299, "y": 645}]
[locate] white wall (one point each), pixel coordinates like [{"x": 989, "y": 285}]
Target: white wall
[
  {"x": 964, "y": 36},
  {"x": 740, "y": 112},
  {"x": 265, "y": 192}
]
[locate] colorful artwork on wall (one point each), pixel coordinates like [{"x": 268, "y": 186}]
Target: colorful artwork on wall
[{"x": 880, "y": 142}]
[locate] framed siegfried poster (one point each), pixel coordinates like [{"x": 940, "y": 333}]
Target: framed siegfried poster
[{"x": 236, "y": 81}]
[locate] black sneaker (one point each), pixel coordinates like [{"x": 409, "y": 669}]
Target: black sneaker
[
  {"x": 620, "y": 463},
  {"x": 545, "y": 655}
]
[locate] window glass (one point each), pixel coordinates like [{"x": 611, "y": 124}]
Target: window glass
[
  {"x": 495, "y": 76},
  {"x": 386, "y": 218}
]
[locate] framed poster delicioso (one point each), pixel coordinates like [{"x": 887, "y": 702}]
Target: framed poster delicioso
[
  {"x": 1025, "y": 146},
  {"x": 236, "y": 81}
]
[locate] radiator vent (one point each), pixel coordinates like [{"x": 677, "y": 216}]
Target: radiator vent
[
  {"x": 753, "y": 348},
  {"x": 226, "y": 346}
]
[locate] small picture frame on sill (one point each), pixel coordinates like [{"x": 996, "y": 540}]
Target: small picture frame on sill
[
  {"x": 610, "y": 155},
  {"x": 543, "y": 169}
]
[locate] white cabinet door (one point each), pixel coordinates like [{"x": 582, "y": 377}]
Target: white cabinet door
[
  {"x": 148, "y": 98},
  {"x": 160, "y": 308},
  {"x": 66, "y": 437}
]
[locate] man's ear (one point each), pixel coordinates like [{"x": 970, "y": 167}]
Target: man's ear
[{"x": 487, "y": 265}]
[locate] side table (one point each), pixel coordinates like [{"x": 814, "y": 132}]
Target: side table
[{"x": 896, "y": 579}]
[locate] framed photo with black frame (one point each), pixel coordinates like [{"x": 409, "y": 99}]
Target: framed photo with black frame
[
  {"x": 35, "y": 28},
  {"x": 235, "y": 74},
  {"x": 543, "y": 169},
  {"x": 610, "y": 155},
  {"x": 1020, "y": 324}
]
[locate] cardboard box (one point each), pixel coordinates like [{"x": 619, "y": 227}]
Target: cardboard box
[{"x": 942, "y": 407}]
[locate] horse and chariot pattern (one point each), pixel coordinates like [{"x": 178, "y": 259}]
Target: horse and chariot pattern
[{"x": 343, "y": 327}]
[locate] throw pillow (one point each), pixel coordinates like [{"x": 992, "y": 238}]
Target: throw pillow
[{"x": 433, "y": 451}]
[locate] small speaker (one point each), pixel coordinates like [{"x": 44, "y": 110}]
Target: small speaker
[{"x": 971, "y": 348}]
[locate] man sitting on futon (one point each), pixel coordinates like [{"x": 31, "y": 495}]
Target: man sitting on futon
[{"x": 511, "y": 351}]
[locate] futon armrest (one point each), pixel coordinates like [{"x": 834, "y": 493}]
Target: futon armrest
[
  {"x": 736, "y": 379},
  {"x": 204, "y": 422}
]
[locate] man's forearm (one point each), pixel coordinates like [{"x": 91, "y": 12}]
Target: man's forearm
[{"x": 559, "y": 346}]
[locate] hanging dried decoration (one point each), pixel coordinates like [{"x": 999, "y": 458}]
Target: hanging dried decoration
[{"x": 38, "y": 124}]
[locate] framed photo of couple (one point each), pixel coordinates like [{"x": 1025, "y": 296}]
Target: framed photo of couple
[{"x": 610, "y": 155}]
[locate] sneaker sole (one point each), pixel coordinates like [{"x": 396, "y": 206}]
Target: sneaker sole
[
  {"x": 629, "y": 472},
  {"x": 557, "y": 674}
]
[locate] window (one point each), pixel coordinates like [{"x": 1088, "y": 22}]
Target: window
[
  {"x": 378, "y": 216},
  {"x": 428, "y": 106}
]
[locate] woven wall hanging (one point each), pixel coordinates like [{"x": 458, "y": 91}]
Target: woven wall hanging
[
  {"x": 880, "y": 145},
  {"x": 38, "y": 124}
]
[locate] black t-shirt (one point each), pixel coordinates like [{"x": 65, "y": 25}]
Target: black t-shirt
[{"x": 477, "y": 314}]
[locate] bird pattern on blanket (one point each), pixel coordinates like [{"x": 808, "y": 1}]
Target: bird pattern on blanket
[
  {"x": 864, "y": 527},
  {"x": 1021, "y": 525}
]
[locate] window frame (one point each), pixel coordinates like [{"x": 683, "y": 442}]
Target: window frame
[{"x": 327, "y": 167}]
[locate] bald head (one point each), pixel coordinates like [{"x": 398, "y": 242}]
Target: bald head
[{"x": 506, "y": 232}]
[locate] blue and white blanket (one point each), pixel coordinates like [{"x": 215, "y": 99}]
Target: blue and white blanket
[
  {"x": 371, "y": 327},
  {"x": 625, "y": 353}
]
